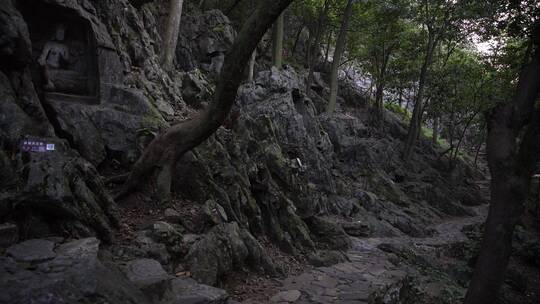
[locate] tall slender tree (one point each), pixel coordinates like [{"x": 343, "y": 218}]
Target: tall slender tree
[
  {"x": 436, "y": 17},
  {"x": 172, "y": 29},
  {"x": 277, "y": 42},
  {"x": 336, "y": 62}
]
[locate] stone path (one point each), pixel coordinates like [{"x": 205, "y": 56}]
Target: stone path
[{"x": 369, "y": 268}]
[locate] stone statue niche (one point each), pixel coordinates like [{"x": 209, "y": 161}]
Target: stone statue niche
[{"x": 65, "y": 56}]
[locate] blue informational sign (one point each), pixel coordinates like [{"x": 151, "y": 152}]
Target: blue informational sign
[{"x": 36, "y": 145}]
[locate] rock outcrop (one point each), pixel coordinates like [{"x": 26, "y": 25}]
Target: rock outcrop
[{"x": 279, "y": 168}]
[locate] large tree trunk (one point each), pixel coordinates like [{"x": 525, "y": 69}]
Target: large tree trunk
[
  {"x": 171, "y": 33},
  {"x": 511, "y": 164},
  {"x": 277, "y": 43},
  {"x": 416, "y": 120},
  {"x": 340, "y": 48},
  {"x": 159, "y": 158}
]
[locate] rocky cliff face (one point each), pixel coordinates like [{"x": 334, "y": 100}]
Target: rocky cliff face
[{"x": 278, "y": 168}]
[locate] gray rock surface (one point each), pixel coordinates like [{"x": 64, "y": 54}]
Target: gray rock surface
[
  {"x": 9, "y": 235},
  {"x": 145, "y": 273},
  {"x": 278, "y": 168},
  {"x": 203, "y": 41},
  {"x": 74, "y": 274},
  {"x": 225, "y": 248},
  {"x": 32, "y": 251},
  {"x": 188, "y": 291},
  {"x": 61, "y": 182}
]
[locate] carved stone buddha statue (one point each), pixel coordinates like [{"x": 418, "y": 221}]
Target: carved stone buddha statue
[{"x": 55, "y": 56}]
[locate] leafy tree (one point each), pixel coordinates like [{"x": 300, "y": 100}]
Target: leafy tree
[
  {"x": 384, "y": 29},
  {"x": 439, "y": 18}
]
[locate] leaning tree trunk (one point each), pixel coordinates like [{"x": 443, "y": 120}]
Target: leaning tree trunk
[
  {"x": 277, "y": 43},
  {"x": 171, "y": 33},
  {"x": 511, "y": 164},
  {"x": 340, "y": 48},
  {"x": 158, "y": 160}
]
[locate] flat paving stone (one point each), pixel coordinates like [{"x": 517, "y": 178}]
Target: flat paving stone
[
  {"x": 32, "y": 251},
  {"x": 289, "y": 296}
]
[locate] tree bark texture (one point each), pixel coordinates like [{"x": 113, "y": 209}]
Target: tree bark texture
[
  {"x": 172, "y": 30},
  {"x": 277, "y": 43},
  {"x": 416, "y": 119},
  {"x": 511, "y": 162},
  {"x": 340, "y": 48}
]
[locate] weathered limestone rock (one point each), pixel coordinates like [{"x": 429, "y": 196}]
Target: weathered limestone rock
[
  {"x": 74, "y": 274},
  {"x": 15, "y": 46},
  {"x": 225, "y": 247},
  {"x": 166, "y": 233},
  {"x": 323, "y": 258},
  {"x": 32, "y": 251},
  {"x": 149, "y": 276},
  {"x": 289, "y": 296},
  {"x": 329, "y": 233},
  {"x": 59, "y": 182},
  {"x": 358, "y": 228},
  {"x": 9, "y": 234},
  {"x": 188, "y": 291},
  {"x": 203, "y": 41},
  {"x": 145, "y": 273}
]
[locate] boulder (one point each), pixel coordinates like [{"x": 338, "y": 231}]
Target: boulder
[
  {"x": 214, "y": 213},
  {"x": 188, "y": 291},
  {"x": 203, "y": 41},
  {"x": 73, "y": 275},
  {"x": 358, "y": 228},
  {"x": 149, "y": 276},
  {"x": 32, "y": 251},
  {"x": 289, "y": 296},
  {"x": 170, "y": 235},
  {"x": 225, "y": 248},
  {"x": 329, "y": 233},
  {"x": 172, "y": 216},
  {"x": 326, "y": 258},
  {"x": 59, "y": 182}
]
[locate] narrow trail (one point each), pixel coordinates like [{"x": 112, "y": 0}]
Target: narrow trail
[{"x": 370, "y": 268}]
